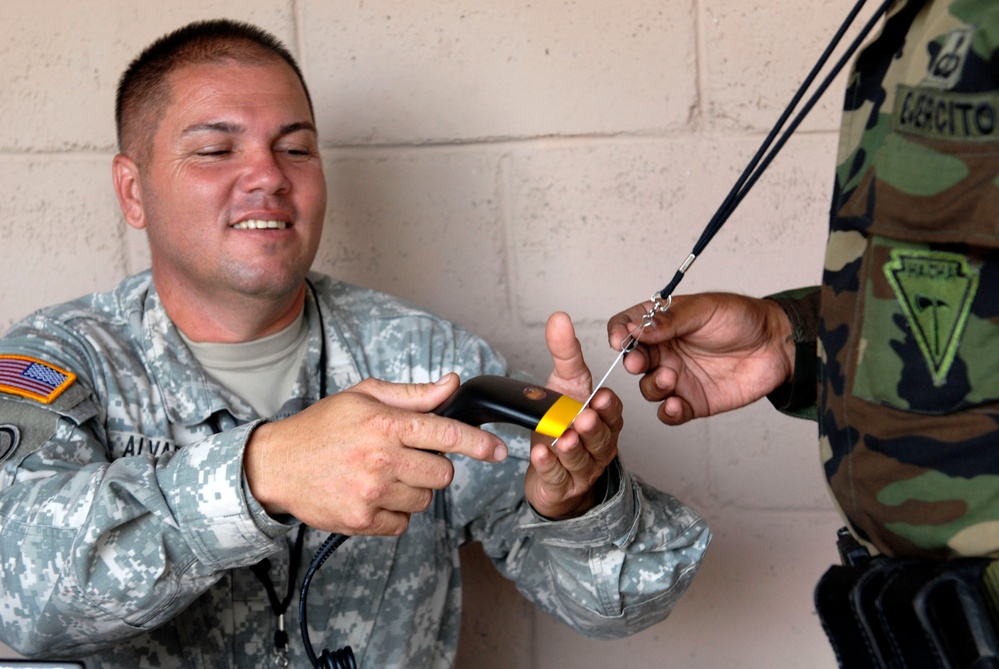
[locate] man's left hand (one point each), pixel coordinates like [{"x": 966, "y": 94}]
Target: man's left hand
[{"x": 560, "y": 481}]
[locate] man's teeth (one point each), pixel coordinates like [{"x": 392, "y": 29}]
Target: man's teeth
[{"x": 260, "y": 225}]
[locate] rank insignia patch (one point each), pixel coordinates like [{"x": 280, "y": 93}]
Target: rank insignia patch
[
  {"x": 935, "y": 290},
  {"x": 33, "y": 378}
]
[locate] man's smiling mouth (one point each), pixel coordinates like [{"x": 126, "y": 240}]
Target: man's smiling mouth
[{"x": 256, "y": 224}]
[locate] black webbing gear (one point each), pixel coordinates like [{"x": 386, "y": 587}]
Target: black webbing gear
[
  {"x": 898, "y": 613},
  {"x": 957, "y": 610},
  {"x": 762, "y": 159}
]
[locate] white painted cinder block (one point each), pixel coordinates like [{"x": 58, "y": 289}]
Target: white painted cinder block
[
  {"x": 62, "y": 60},
  {"x": 751, "y": 605},
  {"x": 440, "y": 72},
  {"x": 595, "y": 225},
  {"x": 423, "y": 224},
  {"x": 757, "y": 53},
  {"x": 61, "y": 230}
]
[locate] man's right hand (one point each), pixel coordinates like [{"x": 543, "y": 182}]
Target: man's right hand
[
  {"x": 709, "y": 353},
  {"x": 363, "y": 460}
]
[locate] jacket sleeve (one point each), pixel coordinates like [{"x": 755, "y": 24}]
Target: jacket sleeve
[
  {"x": 612, "y": 572},
  {"x": 798, "y": 397},
  {"x": 616, "y": 570},
  {"x": 95, "y": 550}
]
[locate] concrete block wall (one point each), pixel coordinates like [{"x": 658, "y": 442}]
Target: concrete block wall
[{"x": 496, "y": 160}]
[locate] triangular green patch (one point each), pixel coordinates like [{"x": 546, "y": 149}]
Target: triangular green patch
[{"x": 935, "y": 290}]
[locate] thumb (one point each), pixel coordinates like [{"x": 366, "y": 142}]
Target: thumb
[
  {"x": 418, "y": 397},
  {"x": 570, "y": 374}
]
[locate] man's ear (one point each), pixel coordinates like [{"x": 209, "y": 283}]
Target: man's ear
[{"x": 126, "y": 185}]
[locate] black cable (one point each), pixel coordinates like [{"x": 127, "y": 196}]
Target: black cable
[
  {"x": 339, "y": 659},
  {"x": 762, "y": 159},
  {"x": 344, "y": 657}
]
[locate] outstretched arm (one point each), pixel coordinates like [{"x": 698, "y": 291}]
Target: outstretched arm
[{"x": 608, "y": 560}]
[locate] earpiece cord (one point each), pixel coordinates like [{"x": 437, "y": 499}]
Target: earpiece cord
[
  {"x": 761, "y": 160},
  {"x": 340, "y": 659}
]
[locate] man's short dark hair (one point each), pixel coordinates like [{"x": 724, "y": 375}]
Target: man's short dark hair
[{"x": 143, "y": 90}]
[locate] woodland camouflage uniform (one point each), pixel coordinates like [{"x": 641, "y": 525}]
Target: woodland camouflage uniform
[{"x": 908, "y": 336}]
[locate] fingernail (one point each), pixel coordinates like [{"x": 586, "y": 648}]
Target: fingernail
[
  {"x": 441, "y": 381},
  {"x": 500, "y": 452}
]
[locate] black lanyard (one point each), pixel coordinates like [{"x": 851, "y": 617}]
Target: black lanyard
[
  {"x": 262, "y": 571},
  {"x": 322, "y": 340}
]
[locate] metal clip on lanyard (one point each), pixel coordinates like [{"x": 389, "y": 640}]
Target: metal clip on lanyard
[
  {"x": 280, "y": 606},
  {"x": 659, "y": 305}
]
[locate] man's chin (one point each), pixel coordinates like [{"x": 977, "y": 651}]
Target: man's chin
[{"x": 269, "y": 284}]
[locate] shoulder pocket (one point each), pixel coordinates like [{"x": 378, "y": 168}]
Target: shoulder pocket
[
  {"x": 934, "y": 180},
  {"x": 26, "y": 425}
]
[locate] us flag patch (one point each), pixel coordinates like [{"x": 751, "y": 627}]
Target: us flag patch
[{"x": 32, "y": 378}]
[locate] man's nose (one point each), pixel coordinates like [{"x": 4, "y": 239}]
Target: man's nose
[{"x": 264, "y": 172}]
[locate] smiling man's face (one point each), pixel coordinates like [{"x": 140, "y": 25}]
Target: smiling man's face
[{"x": 233, "y": 195}]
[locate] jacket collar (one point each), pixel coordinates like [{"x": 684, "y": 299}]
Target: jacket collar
[{"x": 190, "y": 396}]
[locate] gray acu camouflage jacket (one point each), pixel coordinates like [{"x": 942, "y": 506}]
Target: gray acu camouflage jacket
[{"x": 128, "y": 531}]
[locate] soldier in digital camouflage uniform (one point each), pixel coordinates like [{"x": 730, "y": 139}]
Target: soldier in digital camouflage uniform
[
  {"x": 897, "y": 354},
  {"x": 140, "y": 493}
]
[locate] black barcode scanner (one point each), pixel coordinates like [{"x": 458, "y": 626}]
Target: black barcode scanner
[
  {"x": 501, "y": 399},
  {"x": 478, "y": 401}
]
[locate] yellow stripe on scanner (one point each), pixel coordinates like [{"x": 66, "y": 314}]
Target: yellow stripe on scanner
[{"x": 558, "y": 419}]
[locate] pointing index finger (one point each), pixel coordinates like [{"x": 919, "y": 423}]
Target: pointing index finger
[{"x": 445, "y": 435}]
